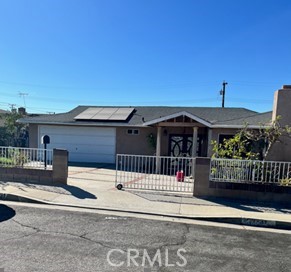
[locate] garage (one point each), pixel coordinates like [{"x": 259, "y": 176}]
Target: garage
[{"x": 85, "y": 144}]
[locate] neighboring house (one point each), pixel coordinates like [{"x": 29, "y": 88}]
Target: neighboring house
[{"x": 97, "y": 134}]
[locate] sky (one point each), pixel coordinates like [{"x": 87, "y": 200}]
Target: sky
[{"x": 58, "y": 54}]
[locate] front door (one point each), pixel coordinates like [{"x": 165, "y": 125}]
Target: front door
[{"x": 180, "y": 145}]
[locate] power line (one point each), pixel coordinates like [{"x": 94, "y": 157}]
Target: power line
[
  {"x": 23, "y": 95},
  {"x": 12, "y": 106}
]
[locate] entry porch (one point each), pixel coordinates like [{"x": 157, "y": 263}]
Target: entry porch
[{"x": 182, "y": 135}]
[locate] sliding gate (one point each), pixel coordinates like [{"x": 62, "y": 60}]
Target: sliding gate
[{"x": 154, "y": 173}]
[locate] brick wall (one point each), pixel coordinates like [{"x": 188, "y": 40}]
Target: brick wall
[
  {"x": 203, "y": 187},
  {"x": 58, "y": 174}
]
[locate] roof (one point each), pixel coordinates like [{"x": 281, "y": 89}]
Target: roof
[
  {"x": 258, "y": 119},
  {"x": 3, "y": 111},
  {"x": 144, "y": 116}
]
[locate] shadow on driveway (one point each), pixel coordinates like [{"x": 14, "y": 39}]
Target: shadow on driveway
[
  {"x": 61, "y": 189},
  {"x": 78, "y": 192}
]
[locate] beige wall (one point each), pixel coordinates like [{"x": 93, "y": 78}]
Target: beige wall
[
  {"x": 134, "y": 144},
  {"x": 33, "y": 135},
  {"x": 281, "y": 151},
  {"x": 282, "y": 105}
]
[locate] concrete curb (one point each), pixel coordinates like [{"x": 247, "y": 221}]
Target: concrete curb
[{"x": 243, "y": 221}]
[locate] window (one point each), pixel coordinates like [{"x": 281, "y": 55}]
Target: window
[
  {"x": 132, "y": 131},
  {"x": 224, "y": 136}
]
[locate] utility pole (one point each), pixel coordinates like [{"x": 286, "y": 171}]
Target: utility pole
[
  {"x": 23, "y": 95},
  {"x": 222, "y": 92},
  {"x": 12, "y": 107}
]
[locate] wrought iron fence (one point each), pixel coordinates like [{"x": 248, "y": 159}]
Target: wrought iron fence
[
  {"x": 154, "y": 173},
  {"x": 230, "y": 170},
  {"x": 35, "y": 158}
]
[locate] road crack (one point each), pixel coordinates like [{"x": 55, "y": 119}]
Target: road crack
[
  {"x": 36, "y": 230},
  {"x": 39, "y": 230},
  {"x": 181, "y": 241}
]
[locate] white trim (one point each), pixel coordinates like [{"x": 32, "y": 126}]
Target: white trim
[
  {"x": 143, "y": 125},
  {"x": 149, "y": 123},
  {"x": 80, "y": 124},
  {"x": 239, "y": 126},
  {"x": 181, "y": 113}
]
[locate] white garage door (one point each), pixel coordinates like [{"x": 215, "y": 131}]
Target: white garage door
[{"x": 85, "y": 144}]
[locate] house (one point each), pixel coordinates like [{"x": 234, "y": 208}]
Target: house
[{"x": 97, "y": 134}]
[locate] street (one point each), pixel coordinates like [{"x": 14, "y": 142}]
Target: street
[{"x": 40, "y": 239}]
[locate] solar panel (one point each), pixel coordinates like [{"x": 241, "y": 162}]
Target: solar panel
[
  {"x": 88, "y": 113},
  {"x": 121, "y": 114},
  {"x": 105, "y": 114}
]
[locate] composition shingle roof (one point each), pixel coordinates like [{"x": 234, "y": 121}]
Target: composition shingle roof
[
  {"x": 214, "y": 116},
  {"x": 256, "y": 119}
]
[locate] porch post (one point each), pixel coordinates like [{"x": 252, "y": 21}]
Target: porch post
[
  {"x": 209, "y": 146},
  {"x": 158, "y": 149},
  {"x": 194, "y": 144}
]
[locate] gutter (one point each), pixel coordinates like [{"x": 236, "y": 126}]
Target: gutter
[{"x": 79, "y": 124}]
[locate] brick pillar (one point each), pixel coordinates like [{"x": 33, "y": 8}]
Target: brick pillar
[
  {"x": 60, "y": 165},
  {"x": 201, "y": 176}
]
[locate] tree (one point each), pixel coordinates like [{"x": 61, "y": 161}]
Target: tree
[
  {"x": 237, "y": 147},
  {"x": 13, "y": 133},
  {"x": 252, "y": 143}
]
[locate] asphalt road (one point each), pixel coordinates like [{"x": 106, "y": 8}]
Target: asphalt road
[{"x": 38, "y": 239}]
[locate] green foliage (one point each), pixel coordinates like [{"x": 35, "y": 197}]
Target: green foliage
[
  {"x": 237, "y": 147},
  {"x": 13, "y": 133},
  {"x": 14, "y": 158},
  {"x": 18, "y": 158},
  {"x": 6, "y": 161},
  {"x": 251, "y": 144},
  {"x": 285, "y": 182}
]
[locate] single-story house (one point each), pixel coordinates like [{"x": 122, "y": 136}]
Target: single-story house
[{"x": 97, "y": 134}]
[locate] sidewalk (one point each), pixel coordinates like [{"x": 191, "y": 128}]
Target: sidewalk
[{"x": 94, "y": 188}]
